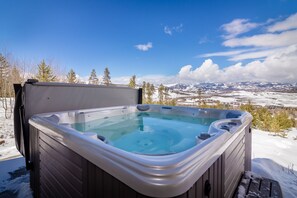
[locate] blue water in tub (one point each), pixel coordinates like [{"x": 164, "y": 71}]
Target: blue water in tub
[{"x": 148, "y": 133}]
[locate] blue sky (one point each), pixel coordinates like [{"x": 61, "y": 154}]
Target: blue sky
[{"x": 156, "y": 40}]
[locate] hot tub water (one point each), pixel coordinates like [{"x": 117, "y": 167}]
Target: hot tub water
[{"x": 148, "y": 133}]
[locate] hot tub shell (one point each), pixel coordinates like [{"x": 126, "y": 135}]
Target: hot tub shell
[{"x": 69, "y": 164}]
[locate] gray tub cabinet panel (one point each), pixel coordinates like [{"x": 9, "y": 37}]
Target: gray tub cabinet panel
[{"x": 234, "y": 158}]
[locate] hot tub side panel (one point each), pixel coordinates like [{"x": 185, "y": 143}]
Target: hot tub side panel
[
  {"x": 233, "y": 162},
  {"x": 58, "y": 171}
]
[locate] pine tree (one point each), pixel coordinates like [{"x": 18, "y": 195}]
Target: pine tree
[
  {"x": 199, "y": 96},
  {"x": 281, "y": 122},
  {"x": 4, "y": 76},
  {"x": 143, "y": 92},
  {"x": 148, "y": 93},
  {"x": 71, "y": 76},
  {"x": 132, "y": 82},
  {"x": 93, "y": 78},
  {"x": 166, "y": 94},
  {"x": 152, "y": 87},
  {"x": 106, "y": 77},
  {"x": 161, "y": 90},
  {"x": 45, "y": 73},
  {"x": 249, "y": 108}
]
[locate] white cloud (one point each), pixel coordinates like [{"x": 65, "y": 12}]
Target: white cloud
[
  {"x": 167, "y": 30},
  {"x": 277, "y": 37},
  {"x": 255, "y": 54},
  {"x": 226, "y": 53},
  {"x": 279, "y": 66},
  {"x": 144, "y": 47},
  {"x": 208, "y": 71},
  {"x": 237, "y": 27},
  {"x": 170, "y": 30},
  {"x": 264, "y": 40},
  {"x": 288, "y": 24},
  {"x": 204, "y": 40}
]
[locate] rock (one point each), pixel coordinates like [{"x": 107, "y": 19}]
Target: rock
[{"x": 2, "y": 141}]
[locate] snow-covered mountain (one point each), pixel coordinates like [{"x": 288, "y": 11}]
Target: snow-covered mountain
[{"x": 235, "y": 86}]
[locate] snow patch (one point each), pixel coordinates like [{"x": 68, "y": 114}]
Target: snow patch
[{"x": 14, "y": 179}]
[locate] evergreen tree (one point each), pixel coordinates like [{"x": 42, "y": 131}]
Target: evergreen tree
[
  {"x": 4, "y": 76},
  {"x": 149, "y": 93},
  {"x": 93, "y": 78},
  {"x": 143, "y": 92},
  {"x": 250, "y": 108},
  {"x": 166, "y": 94},
  {"x": 106, "y": 77},
  {"x": 161, "y": 90},
  {"x": 152, "y": 87},
  {"x": 199, "y": 97},
  {"x": 132, "y": 82},
  {"x": 45, "y": 73},
  {"x": 71, "y": 76},
  {"x": 281, "y": 122}
]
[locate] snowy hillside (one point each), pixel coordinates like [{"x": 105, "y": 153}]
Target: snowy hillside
[{"x": 262, "y": 94}]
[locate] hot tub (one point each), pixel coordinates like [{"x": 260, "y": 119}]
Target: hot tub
[{"x": 139, "y": 150}]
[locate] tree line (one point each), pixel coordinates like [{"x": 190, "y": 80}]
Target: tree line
[
  {"x": 11, "y": 73},
  {"x": 264, "y": 118},
  {"x": 148, "y": 91}
]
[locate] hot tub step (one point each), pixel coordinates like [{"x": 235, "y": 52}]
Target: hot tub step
[{"x": 252, "y": 185}]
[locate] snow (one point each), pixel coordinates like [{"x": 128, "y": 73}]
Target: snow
[
  {"x": 14, "y": 179},
  {"x": 267, "y": 98},
  {"x": 7, "y": 149},
  {"x": 223, "y": 99},
  {"x": 276, "y": 158}
]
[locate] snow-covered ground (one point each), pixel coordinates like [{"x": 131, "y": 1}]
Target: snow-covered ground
[
  {"x": 14, "y": 179},
  {"x": 276, "y": 158},
  {"x": 7, "y": 149},
  {"x": 278, "y": 99},
  {"x": 265, "y": 98},
  {"x": 273, "y": 157}
]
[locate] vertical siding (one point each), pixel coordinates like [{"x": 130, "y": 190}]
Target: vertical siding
[
  {"x": 60, "y": 169},
  {"x": 248, "y": 148},
  {"x": 234, "y": 158},
  {"x": 34, "y": 156}
]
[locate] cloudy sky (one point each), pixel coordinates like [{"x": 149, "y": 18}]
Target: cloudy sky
[{"x": 158, "y": 41}]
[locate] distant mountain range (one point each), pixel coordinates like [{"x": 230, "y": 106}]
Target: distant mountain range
[{"x": 235, "y": 86}]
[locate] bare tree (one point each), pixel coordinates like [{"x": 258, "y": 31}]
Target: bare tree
[{"x": 8, "y": 76}]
